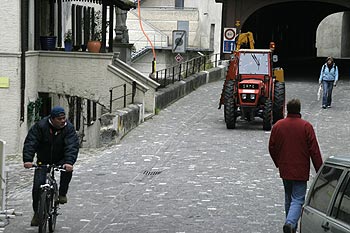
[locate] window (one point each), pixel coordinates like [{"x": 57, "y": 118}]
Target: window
[
  {"x": 75, "y": 108},
  {"x": 341, "y": 209},
  {"x": 78, "y": 113},
  {"x": 253, "y": 63},
  {"x": 179, "y": 3},
  {"x": 91, "y": 114},
  {"x": 324, "y": 187},
  {"x": 46, "y": 104},
  {"x": 212, "y": 36}
]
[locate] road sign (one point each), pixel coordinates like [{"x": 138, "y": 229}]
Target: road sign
[
  {"x": 229, "y": 33},
  {"x": 179, "y": 58},
  {"x": 229, "y": 40},
  {"x": 238, "y": 23},
  {"x": 179, "y": 41},
  {"x": 229, "y": 46}
]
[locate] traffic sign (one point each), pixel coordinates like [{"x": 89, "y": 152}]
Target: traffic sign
[
  {"x": 179, "y": 58},
  {"x": 229, "y": 46},
  {"x": 229, "y": 40},
  {"x": 229, "y": 33},
  {"x": 179, "y": 41}
]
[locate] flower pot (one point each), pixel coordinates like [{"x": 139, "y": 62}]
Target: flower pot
[
  {"x": 94, "y": 46},
  {"x": 48, "y": 42},
  {"x": 68, "y": 46}
]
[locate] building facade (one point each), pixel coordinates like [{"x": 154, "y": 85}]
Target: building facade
[
  {"x": 34, "y": 78},
  {"x": 200, "y": 20}
]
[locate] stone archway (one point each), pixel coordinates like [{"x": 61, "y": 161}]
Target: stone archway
[{"x": 291, "y": 24}]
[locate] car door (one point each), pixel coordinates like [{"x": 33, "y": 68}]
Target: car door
[
  {"x": 319, "y": 200},
  {"x": 339, "y": 220}
]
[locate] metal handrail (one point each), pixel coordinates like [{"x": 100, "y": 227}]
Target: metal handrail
[{"x": 124, "y": 96}]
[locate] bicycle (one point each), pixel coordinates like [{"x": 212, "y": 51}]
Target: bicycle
[{"x": 48, "y": 204}]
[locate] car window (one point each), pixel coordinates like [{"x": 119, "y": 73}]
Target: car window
[
  {"x": 324, "y": 187},
  {"x": 343, "y": 201}
]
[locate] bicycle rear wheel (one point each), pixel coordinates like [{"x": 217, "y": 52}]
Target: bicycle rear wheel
[{"x": 43, "y": 212}]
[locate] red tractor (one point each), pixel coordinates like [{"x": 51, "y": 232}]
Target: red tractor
[{"x": 253, "y": 88}]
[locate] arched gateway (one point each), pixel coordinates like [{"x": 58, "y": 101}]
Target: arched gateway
[{"x": 291, "y": 24}]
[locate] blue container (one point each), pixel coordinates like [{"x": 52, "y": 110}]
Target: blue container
[
  {"x": 68, "y": 46},
  {"x": 48, "y": 42}
]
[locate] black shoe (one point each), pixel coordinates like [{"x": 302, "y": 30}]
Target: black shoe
[
  {"x": 324, "y": 106},
  {"x": 288, "y": 228},
  {"x": 62, "y": 199},
  {"x": 35, "y": 221}
]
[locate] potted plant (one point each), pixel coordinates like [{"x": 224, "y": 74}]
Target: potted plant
[
  {"x": 68, "y": 40},
  {"x": 48, "y": 42},
  {"x": 94, "y": 45}
]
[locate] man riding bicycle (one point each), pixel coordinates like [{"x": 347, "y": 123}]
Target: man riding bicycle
[{"x": 55, "y": 141}]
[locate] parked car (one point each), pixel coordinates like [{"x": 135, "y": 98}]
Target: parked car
[{"x": 327, "y": 206}]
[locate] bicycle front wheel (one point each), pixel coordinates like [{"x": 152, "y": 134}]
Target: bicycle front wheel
[
  {"x": 43, "y": 212},
  {"x": 53, "y": 214}
]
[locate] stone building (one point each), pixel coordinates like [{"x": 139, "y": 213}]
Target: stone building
[{"x": 35, "y": 77}]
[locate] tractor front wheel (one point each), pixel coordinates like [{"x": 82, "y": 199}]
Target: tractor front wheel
[
  {"x": 279, "y": 102},
  {"x": 267, "y": 120},
  {"x": 230, "y": 105}
]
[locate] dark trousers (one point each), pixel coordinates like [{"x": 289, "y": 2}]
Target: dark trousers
[
  {"x": 40, "y": 178},
  {"x": 327, "y": 93}
]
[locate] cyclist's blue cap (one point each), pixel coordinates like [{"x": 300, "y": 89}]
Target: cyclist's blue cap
[{"x": 57, "y": 111}]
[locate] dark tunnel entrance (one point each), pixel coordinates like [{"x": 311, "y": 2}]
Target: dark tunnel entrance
[{"x": 292, "y": 26}]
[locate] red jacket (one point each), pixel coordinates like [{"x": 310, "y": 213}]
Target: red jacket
[{"x": 292, "y": 143}]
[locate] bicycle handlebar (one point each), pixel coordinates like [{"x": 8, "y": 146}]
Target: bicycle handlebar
[{"x": 54, "y": 166}]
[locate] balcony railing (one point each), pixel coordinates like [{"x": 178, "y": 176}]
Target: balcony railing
[{"x": 179, "y": 72}]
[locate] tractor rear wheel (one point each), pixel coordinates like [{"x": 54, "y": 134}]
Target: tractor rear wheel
[
  {"x": 267, "y": 120},
  {"x": 230, "y": 105},
  {"x": 279, "y": 101}
]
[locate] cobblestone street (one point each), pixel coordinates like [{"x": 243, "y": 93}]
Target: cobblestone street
[{"x": 183, "y": 171}]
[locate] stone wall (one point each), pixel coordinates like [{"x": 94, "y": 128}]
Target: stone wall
[
  {"x": 115, "y": 126},
  {"x": 173, "y": 92}
]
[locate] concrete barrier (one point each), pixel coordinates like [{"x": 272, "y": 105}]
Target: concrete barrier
[
  {"x": 173, "y": 92},
  {"x": 115, "y": 125}
]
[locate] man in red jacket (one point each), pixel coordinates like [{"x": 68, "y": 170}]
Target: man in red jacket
[{"x": 292, "y": 143}]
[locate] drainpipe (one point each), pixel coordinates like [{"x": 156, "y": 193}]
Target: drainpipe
[{"x": 24, "y": 48}]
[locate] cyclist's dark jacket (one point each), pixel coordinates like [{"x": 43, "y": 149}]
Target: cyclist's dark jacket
[{"x": 58, "y": 146}]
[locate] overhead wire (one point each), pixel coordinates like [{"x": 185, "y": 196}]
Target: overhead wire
[{"x": 148, "y": 39}]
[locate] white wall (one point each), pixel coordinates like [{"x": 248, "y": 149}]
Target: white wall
[
  {"x": 163, "y": 16},
  {"x": 10, "y": 68},
  {"x": 10, "y": 26},
  {"x": 77, "y": 74},
  {"x": 209, "y": 13},
  {"x": 328, "y": 37}
]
